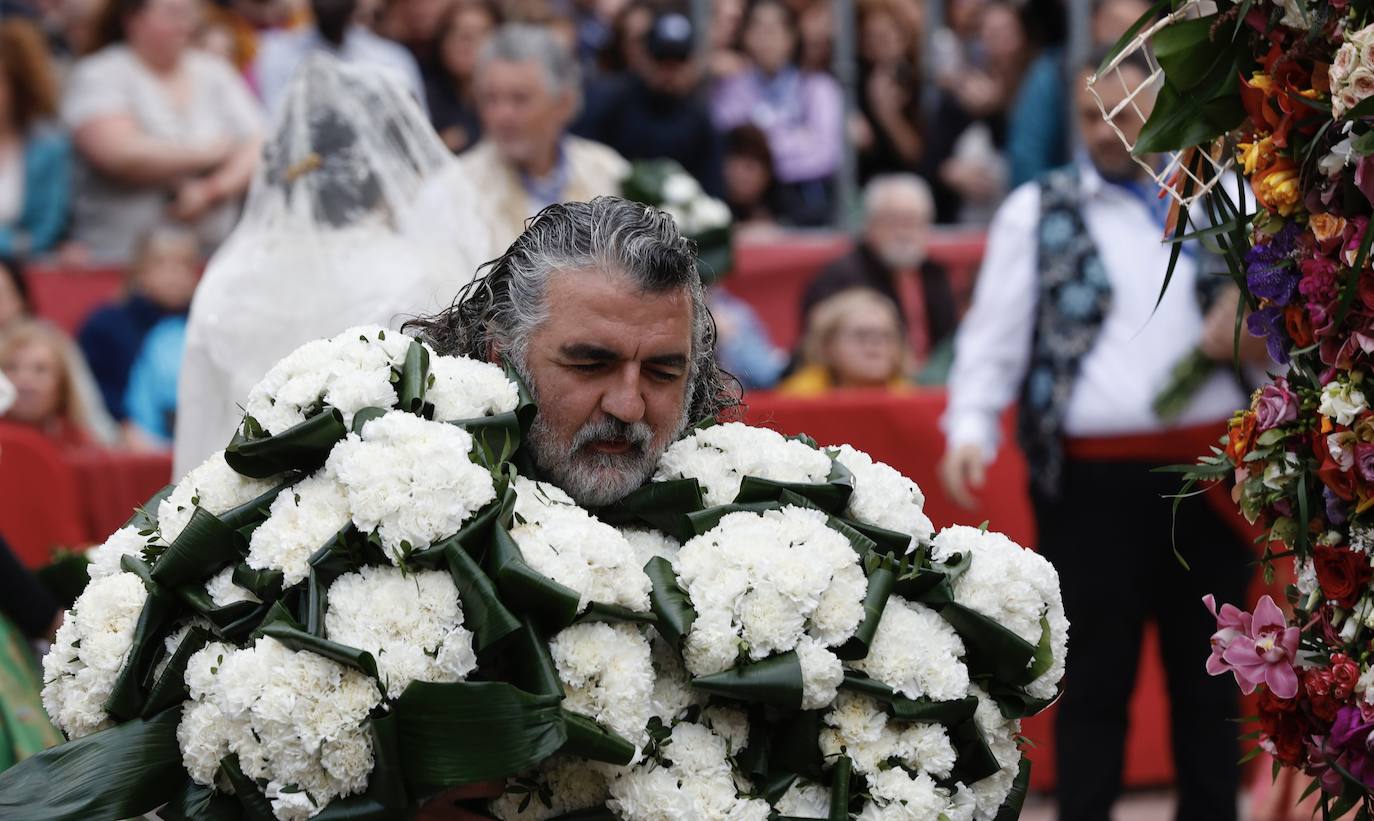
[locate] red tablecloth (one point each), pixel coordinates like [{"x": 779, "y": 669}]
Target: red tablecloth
[
  {"x": 904, "y": 432},
  {"x": 111, "y": 485}
]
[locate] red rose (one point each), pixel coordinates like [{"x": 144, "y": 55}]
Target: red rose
[
  {"x": 1345, "y": 673},
  {"x": 1343, "y": 574},
  {"x": 1320, "y": 699},
  {"x": 1283, "y": 726}
]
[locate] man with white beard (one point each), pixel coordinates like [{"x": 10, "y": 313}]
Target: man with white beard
[
  {"x": 890, "y": 258},
  {"x": 600, "y": 308}
]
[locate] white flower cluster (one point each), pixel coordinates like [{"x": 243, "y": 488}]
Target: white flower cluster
[
  {"x": 690, "y": 207},
  {"x": 1342, "y": 401},
  {"x": 214, "y": 486},
  {"x": 1352, "y": 71},
  {"x": 104, "y": 558},
  {"x": 698, "y": 785},
  {"x": 412, "y": 624},
  {"x": 991, "y": 792},
  {"x": 1014, "y": 587},
  {"x": 569, "y": 545},
  {"x": 607, "y": 676},
  {"x": 299, "y": 522},
  {"x": 719, "y": 457},
  {"x": 805, "y": 799},
  {"x": 464, "y": 388},
  {"x": 296, "y": 720},
  {"x": 916, "y": 653},
  {"x": 651, "y": 544},
  {"x": 410, "y": 479},
  {"x": 766, "y": 583},
  {"x": 349, "y": 372},
  {"x": 569, "y": 783},
  {"x": 884, "y": 497},
  {"x": 223, "y": 592},
  {"x": 80, "y": 670}
]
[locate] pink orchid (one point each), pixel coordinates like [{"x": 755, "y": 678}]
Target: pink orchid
[{"x": 1258, "y": 649}]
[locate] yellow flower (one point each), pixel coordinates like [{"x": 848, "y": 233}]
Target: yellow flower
[
  {"x": 1256, "y": 156},
  {"x": 1278, "y": 189}
]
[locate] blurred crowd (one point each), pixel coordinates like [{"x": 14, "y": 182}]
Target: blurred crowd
[{"x": 130, "y": 131}]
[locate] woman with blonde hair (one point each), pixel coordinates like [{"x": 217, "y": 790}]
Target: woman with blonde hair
[
  {"x": 53, "y": 389},
  {"x": 854, "y": 339}
]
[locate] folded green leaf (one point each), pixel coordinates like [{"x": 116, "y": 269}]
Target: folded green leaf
[
  {"x": 385, "y": 798},
  {"x": 991, "y": 649},
  {"x": 661, "y": 505},
  {"x": 670, "y": 602},
  {"x": 126, "y": 699},
  {"x": 615, "y": 613},
  {"x": 197, "y": 802},
  {"x": 202, "y": 549},
  {"x": 170, "y": 688},
  {"x": 144, "y": 518},
  {"x": 588, "y": 739},
  {"x": 531, "y": 664},
  {"x": 303, "y": 447},
  {"x": 885, "y": 541},
  {"x": 265, "y": 584},
  {"x": 483, "y": 612},
  {"x": 775, "y": 680},
  {"x": 254, "y": 804},
  {"x": 410, "y": 390},
  {"x": 120, "y": 772},
  {"x": 880, "y": 584},
  {"x": 294, "y": 637},
  {"x": 65, "y": 578},
  {"x": 1016, "y": 799},
  {"x": 524, "y": 589},
  {"x": 832, "y": 495},
  {"x": 839, "y": 788},
  {"x": 507, "y": 732}
]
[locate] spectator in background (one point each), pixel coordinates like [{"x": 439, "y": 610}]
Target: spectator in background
[
  {"x": 528, "y": 91},
  {"x": 658, "y": 111},
  {"x": 963, "y": 159},
  {"x": 14, "y": 294},
  {"x": 35, "y": 160},
  {"x": 246, "y": 21},
  {"x": 743, "y": 347},
  {"x": 335, "y": 31},
  {"x": 725, "y": 58},
  {"x": 162, "y": 279},
  {"x": 853, "y": 339},
  {"x": 151, "y": 397},
  {"x": 53, "y": 391},
  {"x": 750, "y": 187},
  {"x": 625, "y": 47},
  {"x": 887, "y": 130},
  {"x": 416, "y": 24},
  {"x": 816, "y": 25},
  {"x": 890, "y": 258},
  {"x": 161, "y": 131},
  {"x": 801, "y": 112},
  {"x": 452, "y": 110}
]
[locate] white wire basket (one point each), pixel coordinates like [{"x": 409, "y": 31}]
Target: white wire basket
[{"x": 1186, "y": 175}]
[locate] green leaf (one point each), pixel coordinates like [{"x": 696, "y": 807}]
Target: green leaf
[
  {"x": 255, "y": 805},
  {"x": 615, "y": 613},
  {"x": 386, "y": 797},
  {"x": 294, "y": 637},
  {"x": 776, "y": 680},
  {"x": 483, "y": 612},
  {"x": 303, "y": 447},
  {"x": 66, "y": 577},
  {"x": 170, "y": 689},
  {"x": 510, "y": 731},
  {"x": 120, "y": 772},
  {"x": 880, "y": 584},
  {"x": 1185, "y": 51},
  {"x": 832, "y": 495},
  {"x": 1145, "y": 21},
  {"x": 154, "y": 621},
  {"x": 1185, "y": 118},
  {"x": 414, "y": 378},
  {"x": 201, "y": 550},
  {"x": 660, "y": 505},
  {"x": 524, "y": 589},
  {"x": 669, "y": 602},
  {"x": 839, "y": 789},
  {"x": 990, "y": 649},
  {"x": 588, "y": 739},
  {"x": 531, "y": 664},
  {"x": 196, "y": 802},
  {"x": 1016, "y": 799}
]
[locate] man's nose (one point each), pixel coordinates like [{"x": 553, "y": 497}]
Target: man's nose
[{"x": 623, "y": 398}]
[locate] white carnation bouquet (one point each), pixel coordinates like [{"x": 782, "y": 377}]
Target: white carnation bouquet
[{"x": 360, "y": 603}]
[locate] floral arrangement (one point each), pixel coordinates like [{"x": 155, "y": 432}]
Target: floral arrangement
[
  {"x": 1284, "y": 89},
  {"x": 702, "y": 218},
  {"x": 346, "y": 612}
]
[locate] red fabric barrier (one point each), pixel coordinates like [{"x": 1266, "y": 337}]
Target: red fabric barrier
[
  {"x": 66, "y": 297},
  {"x": 772, "y": 274},
  {"x": 40, "y": 508},
  {"x": 111, "y": 485},
  {"x": 903, "y": 430}
]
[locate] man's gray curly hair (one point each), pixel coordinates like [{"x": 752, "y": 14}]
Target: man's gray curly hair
[{"x": 500, "y": 310}]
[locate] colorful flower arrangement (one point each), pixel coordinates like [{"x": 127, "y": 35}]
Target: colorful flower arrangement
[{"x": 1290, "y": 102}]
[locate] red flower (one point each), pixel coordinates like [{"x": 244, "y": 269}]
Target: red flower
[
  {"x": 1240, "y": 436},
  {"x": 1340, "y": 480},
  {"x": 1320, "y": 699},
  {"x": 1299, "y": 325},
  {"x": 1283, "y": 726},
  {"x": 1343, "y": 574},
  {"x": 1345, "y": 673}
]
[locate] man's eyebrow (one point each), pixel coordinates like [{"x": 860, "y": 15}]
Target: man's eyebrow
[
  {"x": 671, "y": 360},
  {"x": 587, "y": 350}
]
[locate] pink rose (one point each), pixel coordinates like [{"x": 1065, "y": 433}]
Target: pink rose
[
  {"x": 1340, "y": 67},
  {"x": 1364, "y": 460},
  {"x": 1277, "y": 405}
]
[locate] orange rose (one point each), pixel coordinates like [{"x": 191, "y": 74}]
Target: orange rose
[
  {"x": 1327, "y": 227},
  {"x": 1240, "y": 436}
]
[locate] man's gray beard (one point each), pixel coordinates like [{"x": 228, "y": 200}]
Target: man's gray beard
[{"x": 591, "y": 478}]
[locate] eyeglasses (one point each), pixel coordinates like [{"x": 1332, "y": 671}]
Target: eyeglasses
[{"x": 868, "y": 336}]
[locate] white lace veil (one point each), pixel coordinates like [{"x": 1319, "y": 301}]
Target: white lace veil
[{"x": 357, "y": 214}]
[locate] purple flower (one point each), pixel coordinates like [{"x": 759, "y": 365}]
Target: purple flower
[
  {"x": 1258, "y": 649},
  {"x": 1268, "y": 323},
  {"x": 1336, "y": 508},
  {"x": 1350, "y": 741},
  {"x": 1364, "y": 460},
  {"x": 1270, "y": 270},
  {"x": 1277, "y": 405}
]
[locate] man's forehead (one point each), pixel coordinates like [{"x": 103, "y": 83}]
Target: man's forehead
[{"x": 607, "y": 308}]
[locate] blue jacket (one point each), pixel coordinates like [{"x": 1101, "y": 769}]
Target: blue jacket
[{"x": 47, "y": 196}]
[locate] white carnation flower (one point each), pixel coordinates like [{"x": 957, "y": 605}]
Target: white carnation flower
[
  {"x": 698, "y": 784},
  {"x": 805, "y": 799},
  {"x": 465, "y": 388},
  {"x": 575, "y": 549},
  {"x": 991, "y": 792},
  {"x": 410, "y": 479},
  {"x": 651, "y": 544},
  {"x": 719, "y": 457},
  {"x": 916, "y": 653},
  {"x": 896, "y": 795},
  {"x": 822, "y": 674},
  {"x": 300, "y": 521},
  {"x": 883, "y": 497},
  {"x": 730, "y": 723},
  {"x": 80, "y": 670},
  {"x": 214, "y": 486},
  {"x": 104, "y": 558},
  {"x": 570, "y": 784},
  {"x": 673, "y": 691},
  {"x": 607, "y": 676},
  {"x": 223, "y": 592},
  {"x": 762, "y": 581},
  {"x": 349, "y": 372},
  {"x": 1014, "y": 587},
  {"x": 412, "y": 624},
  {"x": 680, "y": 188},
  {"x": 296, "y": 720}
]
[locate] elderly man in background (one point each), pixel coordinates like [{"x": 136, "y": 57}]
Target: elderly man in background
[
  {"x": 890, "y": 257},
  {"x": 528, "y": 90}
]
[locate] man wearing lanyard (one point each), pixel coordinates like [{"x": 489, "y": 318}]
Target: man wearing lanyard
[{"x": 1064, "y": 323}]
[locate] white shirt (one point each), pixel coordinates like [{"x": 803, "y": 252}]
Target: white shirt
[
  {"x": 283, "y": 51},
  {"x": 1132, "y": 358}
]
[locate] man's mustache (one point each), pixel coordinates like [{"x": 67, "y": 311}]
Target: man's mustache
[{"x": 638, "y": 435}]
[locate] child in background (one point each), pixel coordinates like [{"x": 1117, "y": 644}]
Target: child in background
[{"x": 52, "y": 389}]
